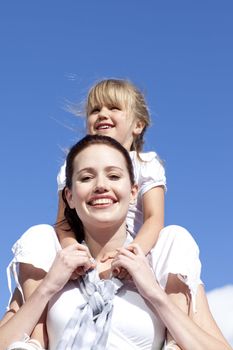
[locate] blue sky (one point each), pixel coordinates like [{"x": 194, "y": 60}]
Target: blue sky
[{"x": 180, "y": 53}]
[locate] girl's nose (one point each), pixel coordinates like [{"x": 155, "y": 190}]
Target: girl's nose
[{"x": 103, "y": 113}]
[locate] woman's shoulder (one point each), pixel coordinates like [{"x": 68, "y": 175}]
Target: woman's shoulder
[
  {"x": 176, "y": 252},
  {"x": 38, "y": 233},
  {"x": 38, "y": 246}
]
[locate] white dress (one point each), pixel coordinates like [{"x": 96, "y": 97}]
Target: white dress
[
  {"x": 133, "y": 325},
  {"x": 148, "y": 172}
]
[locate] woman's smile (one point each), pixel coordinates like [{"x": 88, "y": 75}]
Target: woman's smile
[
  {"x": 101, "y": 188},
  {"x": 102, "y": 201}
]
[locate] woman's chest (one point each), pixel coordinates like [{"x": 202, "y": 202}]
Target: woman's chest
[{"x": 133, "y": 324}]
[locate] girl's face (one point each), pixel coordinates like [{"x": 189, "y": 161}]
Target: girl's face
[
  {"x": 115, "y": 122},
  {"x": 101, "y": 188}
]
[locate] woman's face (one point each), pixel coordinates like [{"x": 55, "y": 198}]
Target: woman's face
[{"x": 101, "y": 188}]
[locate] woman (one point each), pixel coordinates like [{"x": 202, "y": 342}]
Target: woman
[{"x": 98, "y": 311}]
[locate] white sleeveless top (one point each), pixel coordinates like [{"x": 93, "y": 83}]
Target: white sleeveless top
[{"x": 133, "y": 325}]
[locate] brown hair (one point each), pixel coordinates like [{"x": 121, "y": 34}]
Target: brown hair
[{"x": 71, "y": 215}]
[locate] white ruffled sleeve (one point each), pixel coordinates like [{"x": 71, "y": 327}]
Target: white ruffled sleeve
[
  {"x": 152, "y": 172},
  {"x": 176, "y": 252},
  {"x": 38, "y": 246},
  {"x": 61, "y": 178}
]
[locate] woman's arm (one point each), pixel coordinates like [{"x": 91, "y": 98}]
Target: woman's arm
[
  {"x": 199, "y": 332},
  {"x": 15, "y": 304},
  {"x": 190, "y": 331},
  {"x": 27, "y": 316}
]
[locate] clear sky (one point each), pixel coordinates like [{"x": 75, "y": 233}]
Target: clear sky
[{"x": 180, "y": 53}]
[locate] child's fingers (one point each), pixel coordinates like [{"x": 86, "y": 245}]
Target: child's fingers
[
  {"x": 77, "y": 273},
  {"x": 126, "y": 252},
  {"x": 135, "y": 248},
  {"x": 116, "y": 271},
  {"x": 109, "y": 255},
  {"x": 123, "y": 273}
]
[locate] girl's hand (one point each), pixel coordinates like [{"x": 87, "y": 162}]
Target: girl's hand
[
  {"x": 118, "y": 272},
  {"x": 109, "y": 255},
  {"x": 134, "y": 261},
  {"x": 71, "y": 261}
]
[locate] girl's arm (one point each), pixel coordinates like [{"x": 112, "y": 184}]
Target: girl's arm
[
  {"x": 153, "y": 212},
  {"x": 64, "y": 233},
  {"x": 189, "y": 330}
]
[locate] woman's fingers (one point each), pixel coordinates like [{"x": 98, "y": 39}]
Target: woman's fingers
[
  {"x": 70, "y": 263},
  {"x": 78, "y": 247},
  {"x": 133, "y": 260}
]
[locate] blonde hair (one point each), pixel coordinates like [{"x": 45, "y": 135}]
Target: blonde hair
[{"x": 122, "y": 94}]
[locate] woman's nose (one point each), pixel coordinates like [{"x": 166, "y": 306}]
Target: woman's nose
[{"x": 101, "y": 185}]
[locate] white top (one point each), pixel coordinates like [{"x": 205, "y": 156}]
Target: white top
[
  {"x": 133, "y": 325},
  {"x": 149, "y": 173}
]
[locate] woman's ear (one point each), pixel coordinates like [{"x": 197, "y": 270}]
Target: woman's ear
[
  {"x": 134, "y": 193},
  {"x": 69, "y": 198}
]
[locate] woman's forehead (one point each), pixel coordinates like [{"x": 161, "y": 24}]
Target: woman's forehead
[{"x": 101, "y": 154}]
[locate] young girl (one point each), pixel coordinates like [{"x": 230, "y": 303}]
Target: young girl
[{"x": 116, "y": 108}]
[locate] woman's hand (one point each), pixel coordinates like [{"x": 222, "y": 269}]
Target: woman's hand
[
  {"x": 70, "y": 262},
  {"x": 134, "y": 261}
]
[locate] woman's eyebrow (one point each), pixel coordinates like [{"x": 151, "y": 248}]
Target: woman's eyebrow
[
  {"x": 87, "y": 169},
  {"x": 113, "y": 167},
  {"x": 92, "y": 169}
]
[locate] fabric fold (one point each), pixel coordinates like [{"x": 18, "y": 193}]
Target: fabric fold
[{"x": 89, "y": 326}]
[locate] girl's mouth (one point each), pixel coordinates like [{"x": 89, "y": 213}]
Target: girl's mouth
[{"x": 104, "y": 126}]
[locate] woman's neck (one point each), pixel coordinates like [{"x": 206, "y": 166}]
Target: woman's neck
[{"x": 105, "y": 240}]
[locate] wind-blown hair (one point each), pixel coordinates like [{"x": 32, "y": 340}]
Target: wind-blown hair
[
  {"x": 122, "y": 94},
  {"x": 71, "y": 215}
]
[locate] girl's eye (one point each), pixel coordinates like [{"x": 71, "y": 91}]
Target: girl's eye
[
  {"x": 95, "y": 110},
  {"x": 114, "y": 108}
]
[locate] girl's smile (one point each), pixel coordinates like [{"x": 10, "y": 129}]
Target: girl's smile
[{"x": 115, "y": 122}]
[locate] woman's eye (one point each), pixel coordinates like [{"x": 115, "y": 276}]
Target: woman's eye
[
  {"x": 85, "y": 178},
  {"x": 114, "y": 177}
]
